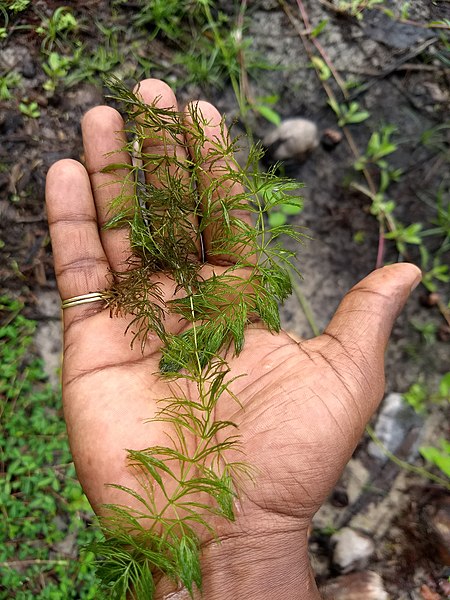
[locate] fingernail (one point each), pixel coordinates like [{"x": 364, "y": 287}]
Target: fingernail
[{"x": 416, "y": 282}]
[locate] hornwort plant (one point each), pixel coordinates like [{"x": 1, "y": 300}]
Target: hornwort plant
[{"x": 184, "y": 486}]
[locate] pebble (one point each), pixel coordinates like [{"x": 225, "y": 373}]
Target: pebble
[
  {"x": 339, "y": 497},
  {"x": 429, "y": 300},
  {"x": 28, "y": 68},
  {"x": 331, "y": 138},
  {"x": 293, "y": 139},
  {"x": 18, "y": 57},
  {"x": 352, "y": 550},
  {"x": 395, "y": 419},
  {"x": 365, "y": 585},
  {"x": 10, "y": 122}
]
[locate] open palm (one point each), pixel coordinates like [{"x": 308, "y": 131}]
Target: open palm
[{"x": 304, "y": 405}]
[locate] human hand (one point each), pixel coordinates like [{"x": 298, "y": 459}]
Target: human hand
[{"x": 304, "y": 404}]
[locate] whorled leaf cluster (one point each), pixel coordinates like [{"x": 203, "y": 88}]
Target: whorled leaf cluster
[{"x": 169, "y": 205}]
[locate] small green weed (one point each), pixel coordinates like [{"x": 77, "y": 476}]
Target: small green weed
[
  {"x": 9, "y": 81},
  {"x": 281, "y": 210},
  {"x": 92, "y": 66},
  {"x": 427, "y": 330},
  {"x": 30, "y": 109},
  {"x": 356, "y": 8},
  {"x": 417, "y": 397},
  {"x": 319, "y": 28},
  {"x": 437, "y": 272},
  {"x": 81, "y": 65},
  {"x": 16, "y": 6},
  {"x": 265, "y": 107},
  {"x": 9, "y": 10},
  {"x": 57, "y": 27},
  {"x": 379, "y": 146},
  {"x": 324, "y": 73},
  {"x": 373, "y": 164},
  {"x": 405, "y": 234},
  {"x": 440, "y": 457},
  {"x": 44, "y": 512},
  {"x": 167, "y": 17},
  {"x": 348, "y": 113},
  {"x": 56, "y": 68},
  {"x": 421, "y": 399},
  {"x": 404, "y": 10}
]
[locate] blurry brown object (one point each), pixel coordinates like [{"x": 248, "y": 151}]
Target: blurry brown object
[
  {"x": 292, "y": 139},
  {"x": 428, "y": 594},
  {"x": 331, "y": 138},
  {"x": 364, "y": 585},
  {"x": 435, "y": 519}
]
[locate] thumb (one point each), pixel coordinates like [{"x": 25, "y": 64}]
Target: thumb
[
  {"x": 354, "y": 342},
  {"x": 366, "y": 315}
]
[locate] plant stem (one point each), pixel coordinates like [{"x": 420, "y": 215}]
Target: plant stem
[
  {"x": 380, "y": 253},
  {"x": 32, "y": 561},
  {"x": 320, "y": 49},
  {"x": 403, "y": 464},
  {"x": 305, "y": 307}
]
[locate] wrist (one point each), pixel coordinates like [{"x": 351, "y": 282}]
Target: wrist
[
  {"x": 266, "y": 561},
  {"x": 259, "y": 567}
]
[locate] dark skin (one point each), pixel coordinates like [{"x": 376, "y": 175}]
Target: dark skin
[{"x": 305, "y": 404}]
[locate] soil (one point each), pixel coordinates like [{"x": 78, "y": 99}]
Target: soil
[{"x": 406, "y": 84}]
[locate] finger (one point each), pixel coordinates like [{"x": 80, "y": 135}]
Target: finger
[
  {"x": 104, "y": 140},
  {"x": 221, "y": 194},
  {"x": 355, "y": 341},
  {"x": 165, "y": 162},
  {"x": 367, "y": 313},
  {"x": 81, "y": 265}
]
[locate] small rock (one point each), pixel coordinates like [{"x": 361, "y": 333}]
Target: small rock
[
  {"x": 10, "y": 122},
  {"x": 28, "y": 68},
  {"x": 339, "y": 497},
  {"x": 293, "y": 139},
  {"x": 395, "y": 420},
  {"x": 331, "y": 138},
  {"x": 13, "y": 56},
  {"x": 352, "y": 549},
  {"x": 365, "y": 585},
  {"x": 430, "y": 300},
  {"x": 354, "y": 479}
]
